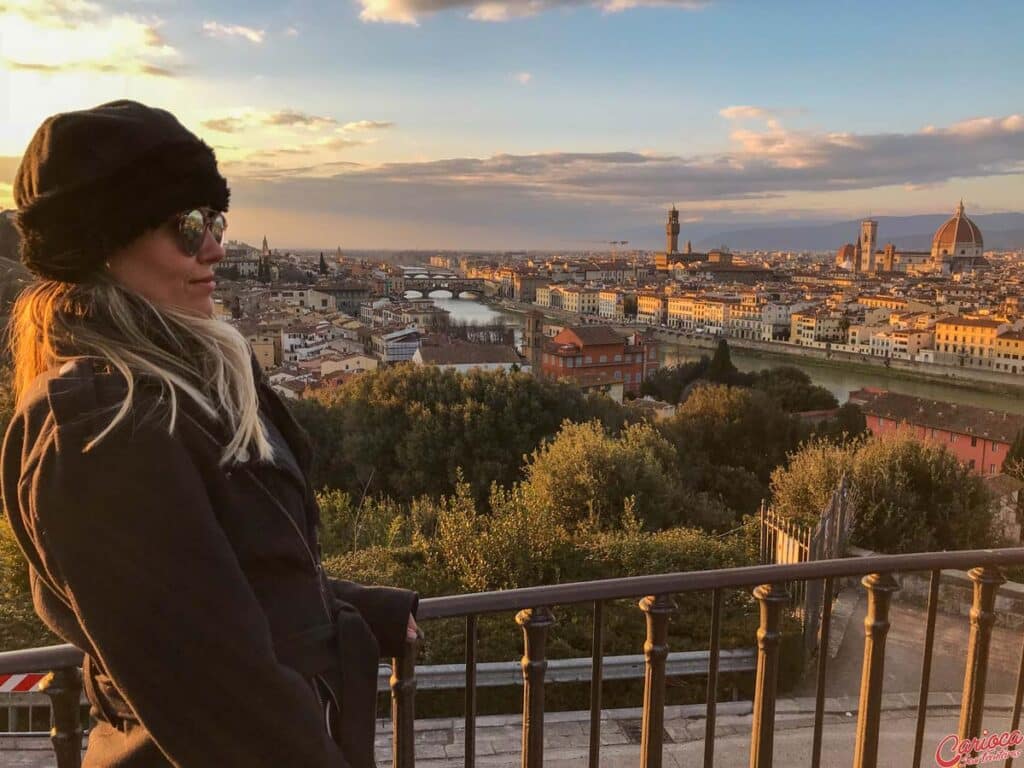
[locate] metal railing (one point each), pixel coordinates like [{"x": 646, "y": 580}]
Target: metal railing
[{"x": 536, "y": 619}]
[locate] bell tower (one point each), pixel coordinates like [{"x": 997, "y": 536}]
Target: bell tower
[
  {"x": 672, "y": 231},
  {"x": 868, "y": 240}
]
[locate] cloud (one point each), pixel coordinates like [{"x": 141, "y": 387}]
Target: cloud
[
  {"x": 291, "y": 117},
  {"x": 562, "y": 194},
  {"x": 225, "y": 124},
  {"x": 282, "y": 118},
  {"x": 758, "y": 166},
  {"x": 291, "y": 32},
  {"x": 340, "y": 142},
  {"x": 745, "y": 112},
  {"x": 367, "y": 125},
  {"x": 524, "y": 78},
  {"x": 216, "y": 29},
  {"x": 409, "y": 11},
  {"x": 56, "y": 36}
]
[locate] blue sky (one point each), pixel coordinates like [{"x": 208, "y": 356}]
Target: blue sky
[{"x": 534, "y": 123}]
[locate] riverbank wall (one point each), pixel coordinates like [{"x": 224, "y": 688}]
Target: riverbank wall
[{"x": 965, "y": 378}]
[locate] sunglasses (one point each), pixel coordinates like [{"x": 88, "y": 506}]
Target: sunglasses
[{"x": 191, "y": 227}]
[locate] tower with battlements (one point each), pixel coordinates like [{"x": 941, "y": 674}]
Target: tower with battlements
[{"x": 672, "y": 231}]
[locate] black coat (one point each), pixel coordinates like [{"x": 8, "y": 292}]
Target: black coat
[{"x": 192, "y": 590}]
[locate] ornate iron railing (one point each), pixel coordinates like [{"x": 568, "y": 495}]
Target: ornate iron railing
[{"x": 536, "y": 619}]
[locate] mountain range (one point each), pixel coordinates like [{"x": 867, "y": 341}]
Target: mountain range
[{"x": 913, "y": 233}]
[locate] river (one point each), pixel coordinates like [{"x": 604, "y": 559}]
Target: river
[{"x": 832, "y": 377}]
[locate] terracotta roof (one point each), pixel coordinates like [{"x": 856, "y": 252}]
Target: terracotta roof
[
  {"x": 591, "y": 335},
  {"x": 953, "y": 417},
  {"x": 969, "y": 322},
  {"x": 469, "y": 354}
]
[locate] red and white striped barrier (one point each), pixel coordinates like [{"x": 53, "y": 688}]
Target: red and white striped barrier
[{"x": 22, "y": 683}]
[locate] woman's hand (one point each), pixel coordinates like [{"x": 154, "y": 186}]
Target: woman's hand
[{"x": 411, "y": 628}]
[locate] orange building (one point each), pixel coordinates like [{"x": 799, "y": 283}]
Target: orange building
[
  {"x": 596, "y": 355},
  {"x": 978, "y": 437}
]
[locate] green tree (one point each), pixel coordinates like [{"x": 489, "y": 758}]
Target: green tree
[
  {"x": 1013, "y": 464},
  {"x": 907, "y": 495},
  {"x": 584, "y": 475},
  {"x": 915, "y": 496},
  {"x": 407, "y": 431},
  {"x": 669, "y": 383},
  {"x": 801, "y": 490},
  {"x": 721, "y": 370},
  {"x": 728, "y": 441},
  {"x": 322, "y": 268},
  {"x": 20, "y": 627},
  {"x": 792, "y": 389}
]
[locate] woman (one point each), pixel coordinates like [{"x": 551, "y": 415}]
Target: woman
[{"x": 155, "y": 482}]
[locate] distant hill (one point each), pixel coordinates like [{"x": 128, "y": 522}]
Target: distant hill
[{"x": 1000, "y": 230}]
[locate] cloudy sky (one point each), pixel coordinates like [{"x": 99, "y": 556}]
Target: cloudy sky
[{"x": 545, "y": 123}]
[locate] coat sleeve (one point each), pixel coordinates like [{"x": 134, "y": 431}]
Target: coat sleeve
[
  {"x": 385, "y": 609},
  {"x": 130, "y": 535}
]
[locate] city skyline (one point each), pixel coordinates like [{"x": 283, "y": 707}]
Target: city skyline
[{"x": 544, "y": 124}]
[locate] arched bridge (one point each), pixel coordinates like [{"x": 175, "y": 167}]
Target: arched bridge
[{"x": 454, "y": 284}]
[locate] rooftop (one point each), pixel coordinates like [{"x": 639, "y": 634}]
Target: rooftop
[
  {"x": 469, "y": 354},
  {"x": 953, "y": 417}
]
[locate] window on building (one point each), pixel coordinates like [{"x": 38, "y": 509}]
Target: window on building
[
  {"x": 569, "y": 361},
  {"x": 618, "y": 358},
  {"x": 991, "y": 469},
  {"x": 970, "y": 464},
  {"x": 952, "y": 438},
  {"x": 603, "y": 359},
  {"x": 618, "y": 374},
  {"x": 974, "y": 442}
]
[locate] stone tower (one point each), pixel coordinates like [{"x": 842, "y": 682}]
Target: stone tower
[
  {"x": 266, "y": 247},
  {"x": 868, "y": 240},
  {"x": 672, "y": 231},
  {"x": 533, "y": 341}
]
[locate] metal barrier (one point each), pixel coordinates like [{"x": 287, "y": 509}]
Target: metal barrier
[{"x": 537, "y": 621}]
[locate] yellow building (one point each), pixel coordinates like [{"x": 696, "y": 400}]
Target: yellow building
[
  {"x": 1009, "y": 352},
  {"x": 650, "y": 308},
  {"x": 968, "y": 337}
]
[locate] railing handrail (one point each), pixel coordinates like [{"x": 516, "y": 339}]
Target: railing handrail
[
  {"x": 704, "y": 581},
  {"x": 62, "y": 656}
]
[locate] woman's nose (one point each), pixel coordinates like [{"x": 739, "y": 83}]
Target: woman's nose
[{"x": 210, "y": 252}]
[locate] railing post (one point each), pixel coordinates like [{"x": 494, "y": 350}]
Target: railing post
[
  {"x": 772, "y": 597},
  {"x": 403, "y": 703},
  {"x": 657, "y": 609},
  {"x": 972, "y": 705},
  {"x": 880, "y": 587},
  {"x": 64, "y": 687},
  {"x": 535, "y": 623}
]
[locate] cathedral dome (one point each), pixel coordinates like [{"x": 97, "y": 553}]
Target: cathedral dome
[{"x": 957, "y": 237}]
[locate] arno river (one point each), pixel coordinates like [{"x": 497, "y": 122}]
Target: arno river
[{"x": 838, "y": 381}]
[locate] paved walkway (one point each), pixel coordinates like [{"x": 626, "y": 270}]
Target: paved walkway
[{"x": 439, "y": 743}]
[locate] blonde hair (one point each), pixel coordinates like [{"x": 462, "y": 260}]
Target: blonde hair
[{"x": 202, "y": 358}]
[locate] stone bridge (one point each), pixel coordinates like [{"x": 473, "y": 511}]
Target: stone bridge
[{"x": 454, "y": 284}]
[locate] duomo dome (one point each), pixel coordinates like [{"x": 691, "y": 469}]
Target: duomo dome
[{"x": 957, "y": 237}]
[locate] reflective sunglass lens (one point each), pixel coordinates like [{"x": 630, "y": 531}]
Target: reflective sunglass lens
[
  {"x": 192, "y": 228},
  {"x": 217, "y": 227}
]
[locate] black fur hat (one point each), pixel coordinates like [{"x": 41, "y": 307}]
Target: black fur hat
[{"x": 92, "y": 181}]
